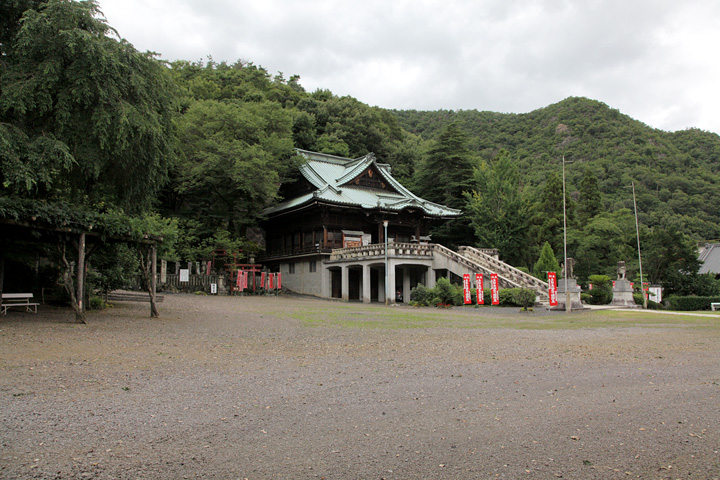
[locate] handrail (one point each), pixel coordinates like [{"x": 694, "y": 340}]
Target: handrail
[
  {"x": 524, "y": 275},
  {"x": 473, "y": 265}
]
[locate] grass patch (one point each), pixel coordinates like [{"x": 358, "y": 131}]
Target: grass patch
[{"x": 381, "y": 317}]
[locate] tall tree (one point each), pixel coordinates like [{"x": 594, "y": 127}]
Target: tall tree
[
  {"x": 546, "y": 263},
  {"x": 444, "y": 176},
  {"x": 236, "y": 156},
  {"x": 447, "y": 171},
  {"x": 590, "y": 202},
  {"x": 498, "y": 213},
  {"x": 548, "y": 217},
  {"x": 83, "y": 116}
]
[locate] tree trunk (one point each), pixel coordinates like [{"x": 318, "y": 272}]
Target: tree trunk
[
  {"x": 70, "y": 285},
  {"x": 81, "y": 274},
  {"x": 152, "y": 284}
]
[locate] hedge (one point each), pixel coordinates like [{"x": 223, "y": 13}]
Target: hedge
[{"x": 691, "y": 303}]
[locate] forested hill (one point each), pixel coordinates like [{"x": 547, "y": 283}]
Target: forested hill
[{"x": 677, "y": 174}]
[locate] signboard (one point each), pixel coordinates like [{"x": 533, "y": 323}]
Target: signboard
[
  {"x": 479, "y": 286},
  {"x": 466, "y": 289},
  {"x": 552, "y": 290},
  {"x": 655, "y": 294},
  {"x": 184, "y": 275},
  {"x": 494, "y": 289},
  {"x": 213, "y": 288}
]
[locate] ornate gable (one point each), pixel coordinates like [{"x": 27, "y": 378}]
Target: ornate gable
[{"x": 371, "y": 178}]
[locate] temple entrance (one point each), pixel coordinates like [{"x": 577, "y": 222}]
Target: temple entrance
[{"x": 335, "y": 283}]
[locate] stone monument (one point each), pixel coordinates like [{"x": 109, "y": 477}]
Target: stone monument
[
  {"x": 569, "y": 292},
  {"x": 622, "y": 290}
]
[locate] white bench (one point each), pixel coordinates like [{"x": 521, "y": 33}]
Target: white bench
[
  {"x": 714, "y": 305},
  {"x": 18, "y": 300}
]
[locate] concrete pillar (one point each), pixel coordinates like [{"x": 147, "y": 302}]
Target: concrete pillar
[
  {"x": 406, "y": 284},
  {"x": 391, "y": 281},
  {"x": 326, "y": 283},
  {"x": 163, "y": 271},
  {"x": 345, "y": 283},
  {"x": 430, "y": 278},
  {"x": 365, "y": 294}
]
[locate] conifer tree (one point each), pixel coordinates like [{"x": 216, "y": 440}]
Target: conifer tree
[{"x": 546, "y": 263}]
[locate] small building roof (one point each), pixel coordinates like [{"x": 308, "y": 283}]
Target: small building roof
[
  {"x": 710, "y": 258},
  {"x": 337, "y": 181}
]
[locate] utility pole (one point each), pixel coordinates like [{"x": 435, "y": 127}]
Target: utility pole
[
  {"x": 568, "y": 303},
  {"x": 637, "y": 231}
]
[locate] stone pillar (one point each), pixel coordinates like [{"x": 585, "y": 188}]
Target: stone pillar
[
  {"x": 163, "y": 271},
  {"x": 345, "y": 284},
  {"x": 391, "y": 281},
  {"x": 569, "y": 293},
  {"x": 366, "y": 284},
  {"x": 430, "y": 278}
]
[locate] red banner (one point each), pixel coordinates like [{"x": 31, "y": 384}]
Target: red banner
[
  {"x": 279, "y": 284},
  {"x": 466, "y": 289},
  {"x": 479, "y": 286},
  {"x": 238, "y": 283},
  {"x": 246, "y": 276},
  {"x": 271, "y": 281},
  {"x": 494, "y": 289},
  {"x": 552, "y": 291},
  {"x": 262, "y": 280}
]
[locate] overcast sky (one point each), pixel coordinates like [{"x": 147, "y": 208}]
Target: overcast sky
[{"x": 655, "y": 60}]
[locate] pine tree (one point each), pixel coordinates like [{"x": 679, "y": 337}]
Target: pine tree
[{"x": 546, "y": 263}]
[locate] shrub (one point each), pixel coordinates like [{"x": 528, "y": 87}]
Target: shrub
[
  {"x": 650, "y": 304},
  {"x": 421, "y": 295},
  {"x": 96, "y": 303},
  {"x": 601, "y": 294},
  {"x": 524, "y": 297},
  {"x": 445, "y": 292},
  {"x": 690, "y": 303}
]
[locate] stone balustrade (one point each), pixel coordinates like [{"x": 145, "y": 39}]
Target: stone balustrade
[{"x": 378, "y": 250}]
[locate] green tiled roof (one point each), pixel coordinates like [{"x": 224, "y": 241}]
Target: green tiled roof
[{"x": 330, "y": 175}]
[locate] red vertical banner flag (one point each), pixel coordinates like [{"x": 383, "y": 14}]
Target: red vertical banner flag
[
  {"x": 262, "y": 280},
  {"x": 552, "y": 290},
  {"x": 479, "y": 287},
  {"x": 238, "y": 283},
  {"x": 279, "y": 284},
  {"x": 271, "y": 281},
  {"x": 246, "y": 276},
  {"x": 494, "y": 289},
  {"x": 466, "y": 289}
]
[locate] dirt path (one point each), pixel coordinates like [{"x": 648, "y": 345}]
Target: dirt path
[{"x": 289, "y": 388}]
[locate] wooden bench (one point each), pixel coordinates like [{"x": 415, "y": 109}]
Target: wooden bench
[
  {"x": 18, "y": 300},
  {"x": 124, "y": 296},
  {"x": 714, "y": 305}
]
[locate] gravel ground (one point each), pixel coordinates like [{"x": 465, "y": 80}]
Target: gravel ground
[{"x": 294, "y": 388}]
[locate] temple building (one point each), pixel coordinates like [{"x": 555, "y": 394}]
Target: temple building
[{"x": 328, "y": 236}]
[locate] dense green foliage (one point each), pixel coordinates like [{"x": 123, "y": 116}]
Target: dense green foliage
[
  {"x": 691, "y": 303},
  {"x": 90, "y": 129}
]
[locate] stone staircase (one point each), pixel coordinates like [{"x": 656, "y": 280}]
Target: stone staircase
[{"x": 510, "y": 277}]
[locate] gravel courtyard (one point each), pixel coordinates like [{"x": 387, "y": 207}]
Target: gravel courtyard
[{"x": 296, "y": 388}]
